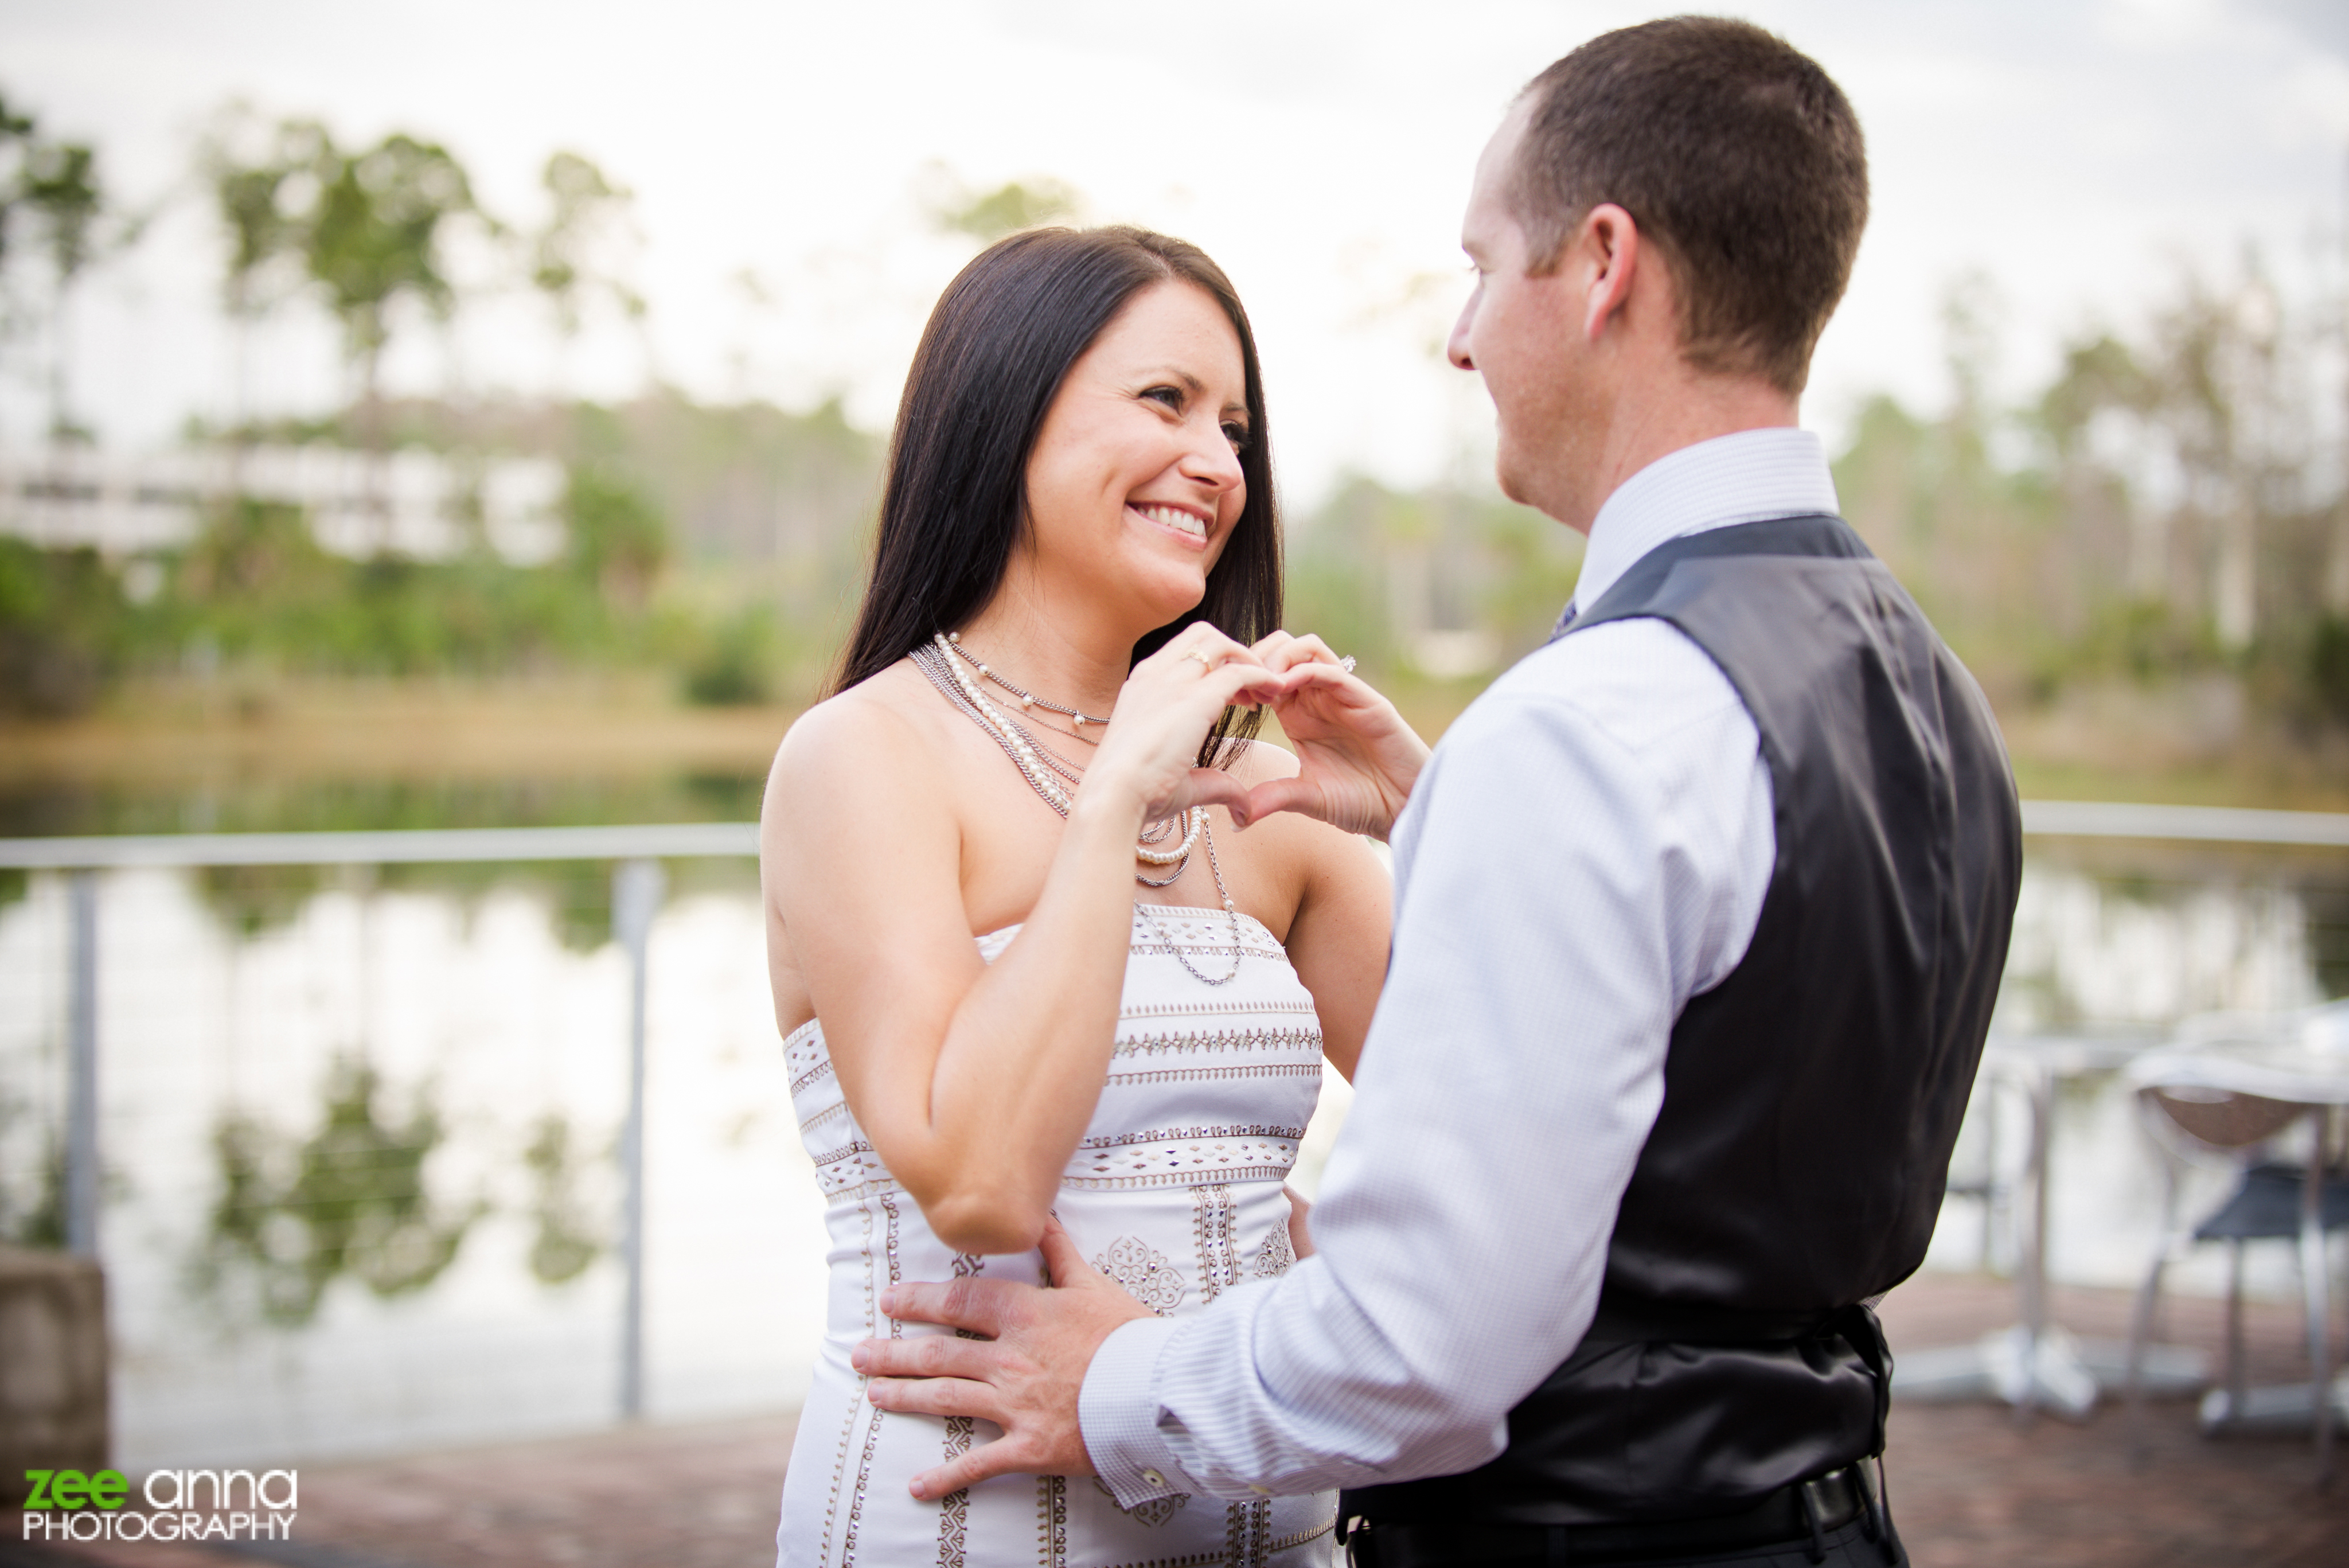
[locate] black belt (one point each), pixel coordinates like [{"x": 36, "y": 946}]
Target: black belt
[{"x": 1798, "y": 1516}]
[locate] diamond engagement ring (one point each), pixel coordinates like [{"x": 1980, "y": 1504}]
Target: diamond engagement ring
[
  {"x": 1204, "y": 665},
  {"x": 1346, "y": 664}
]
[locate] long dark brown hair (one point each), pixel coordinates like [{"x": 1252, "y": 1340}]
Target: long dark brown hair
[{"x": 992, "y": 360}]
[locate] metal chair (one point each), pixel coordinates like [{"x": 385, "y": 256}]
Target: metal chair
[
  {"x": 2190, "y": 1122},
  {"x": 1977, "y": 1173}
]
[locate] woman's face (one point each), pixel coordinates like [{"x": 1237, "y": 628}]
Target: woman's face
[{"x": 1134, "y": 483}]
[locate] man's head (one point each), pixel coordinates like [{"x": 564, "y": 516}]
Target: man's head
[{"x": 1679, "y": 200}]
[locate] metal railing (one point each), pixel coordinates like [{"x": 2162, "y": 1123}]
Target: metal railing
[
  {"x": 2194, "y": 823},
  {"x": 638, "y": 887}
]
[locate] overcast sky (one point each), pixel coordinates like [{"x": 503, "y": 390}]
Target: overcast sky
[{"x": 2078, "y": 153}]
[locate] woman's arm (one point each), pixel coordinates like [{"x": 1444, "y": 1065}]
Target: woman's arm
[
  {"x": 974, "y": 1081},
  {"x": 1336, "y": 937}
]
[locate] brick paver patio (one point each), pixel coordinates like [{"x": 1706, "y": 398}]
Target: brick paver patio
[{"x": 1969, "y": 1484}]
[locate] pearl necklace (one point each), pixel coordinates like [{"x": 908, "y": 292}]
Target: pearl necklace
[
  {"x": 1023, "y": 752},
  {"x": 1027, "y": 699},
  {"x": 942, "y": 664}
]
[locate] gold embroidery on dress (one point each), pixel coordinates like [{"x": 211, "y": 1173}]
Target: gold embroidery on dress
[
  {"x": 954, "y": 1509},
  {"x": 1152, "y": 1511},
  {"x": 1178, "y": 1135},
  {"x": 1196, "y": 1154},
  {"x": 1291, "y": 1542},
  {"x": 1145, "y": 1273},
  {"x": 1211, "y": 1234},
  {"x": 1277, "y": 1255},
  {"x": 1176, "y": 1178},
  {"x": 873, "y": 1427},
  {"x": 837, "y": 1109},
  {"x": 1051, "y": 1521},
  {"x": 1219, "y": 1040},
  {"x": 1211, "y": 1009},
  {"x": 856, "y": 1406},
  {"x": 1247, "y": 1529},
  {"x": 1237, "y": 1070}
]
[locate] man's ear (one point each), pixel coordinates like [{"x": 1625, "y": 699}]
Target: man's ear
[{"x": 1607, "y": 248}]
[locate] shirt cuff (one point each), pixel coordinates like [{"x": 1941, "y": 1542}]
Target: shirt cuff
[{"x": 1117, "y": 1414}]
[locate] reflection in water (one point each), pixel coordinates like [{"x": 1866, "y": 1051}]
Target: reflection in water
[
  {"x": 254, "y": 899},
  {"x": 230, "y": 800},
  {"x": 359, "y": 1173},
  {"x": 350, "y": 1200},
  {"x": 33, "y": 1208},
  {"x": 568, "y": 1240},
  {"x": 2097, "y": 950},
  {"x": 378, "y": 1111}
]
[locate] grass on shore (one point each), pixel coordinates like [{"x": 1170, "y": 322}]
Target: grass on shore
[{"x": 161, "y": 740}]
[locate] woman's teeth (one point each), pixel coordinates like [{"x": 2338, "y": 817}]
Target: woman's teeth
[{"x": 1182, "y": 521}]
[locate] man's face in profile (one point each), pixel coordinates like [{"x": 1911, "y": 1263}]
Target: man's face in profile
[{"x": 1519, "y": 331}]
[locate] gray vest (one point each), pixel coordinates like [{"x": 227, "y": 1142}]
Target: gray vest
[{"x": 1811, "y": 1099}]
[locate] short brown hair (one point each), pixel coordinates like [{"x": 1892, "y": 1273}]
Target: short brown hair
[{"x": 1737, "y": 157}]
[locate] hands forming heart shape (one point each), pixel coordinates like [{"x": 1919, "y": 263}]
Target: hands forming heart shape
[{"x": 1357, "y": 758}]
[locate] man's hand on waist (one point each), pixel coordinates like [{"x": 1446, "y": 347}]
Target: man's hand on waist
[{"x": 1025, "y": 1375}]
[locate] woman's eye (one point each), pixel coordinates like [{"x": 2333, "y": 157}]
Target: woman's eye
[
  {"x": 1237, "y": 434},
  {"x": 1170, "y": 395}
]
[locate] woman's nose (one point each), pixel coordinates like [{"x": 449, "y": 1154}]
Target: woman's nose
[{"x": 1211, "y": 459}]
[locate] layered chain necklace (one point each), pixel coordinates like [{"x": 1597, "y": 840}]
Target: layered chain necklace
[{"x": 958, "y": 676}]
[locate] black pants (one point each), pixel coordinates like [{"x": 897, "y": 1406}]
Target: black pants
[{"x": 1846, "y": 1547}]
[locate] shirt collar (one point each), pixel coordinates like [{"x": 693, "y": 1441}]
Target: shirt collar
[{"x": 1746, "y": 477}]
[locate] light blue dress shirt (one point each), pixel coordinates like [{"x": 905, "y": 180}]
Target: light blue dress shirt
[{"x": 1586, "y": 849}]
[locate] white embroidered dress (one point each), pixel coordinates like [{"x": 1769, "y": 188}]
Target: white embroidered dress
[{"x": 1175, "y": 1192}]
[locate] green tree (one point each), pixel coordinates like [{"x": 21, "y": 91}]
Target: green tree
[
  {"x": 375, "y": 238},
  {"x": 583, "y": 208},
  {"x": 619, "y": 535},
  {"x": 254, "y": 173},
  {"x": 986, "y": 216},
  {"x": 17, "y": 133},
  {"x": 60, "y": 182},
  {"x": 64, "y": 627},
  {"x": 350, "y": 1200}
]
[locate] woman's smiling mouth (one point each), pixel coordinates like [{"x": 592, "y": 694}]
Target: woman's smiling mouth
[{"x": 1188, "y": 525}]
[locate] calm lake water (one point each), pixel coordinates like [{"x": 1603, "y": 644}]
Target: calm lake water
[{"x": 358, "y": 1128}]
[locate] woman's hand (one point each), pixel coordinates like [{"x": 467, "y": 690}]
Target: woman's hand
[
  {"x": 1166, "y": 708},
  {"x": 1358, "y": 760}
]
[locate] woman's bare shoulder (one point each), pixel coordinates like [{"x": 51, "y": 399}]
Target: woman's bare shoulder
[
  {"x": 878, "y": 720},
  {"x": 872, "y": 748}
]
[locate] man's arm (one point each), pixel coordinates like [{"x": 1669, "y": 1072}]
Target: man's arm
[
  {"x": 1561, "y": 894},
  {"x": 1510, "y": 1078}
]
